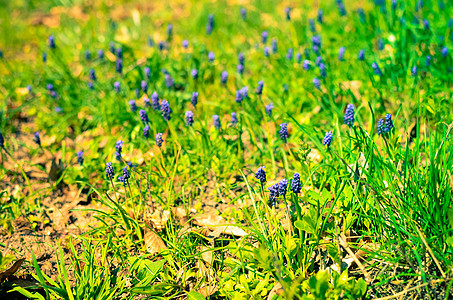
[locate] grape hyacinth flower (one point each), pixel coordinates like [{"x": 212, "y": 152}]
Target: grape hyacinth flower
[
  {"x": 243, "y": 13},
  {"x": 155, "y": 101},
  {"x": 376, "y": 69},
  {"x": 274, "y": 46},
  {"x": 298, "y": 57},
  {"x": 234, "y": 119},
  {"x": 349, "y": 115},
  {"x": 284, "y": 131},
  {"x": 119, "y": 66},
  {"x": 119, "y": 53},
  {"x": 380, "y": 127},
  {"x": 121, "y": 179},
  {"x": 341, "y": 9},
  {"x": 241, "y": 58},
  {"x": 126, "y": 174},
  {"x": 317, "y": 83},
  {"x": 161, "y": 45},
  {"x": 119, "y": 149},
  {"x": 289, "y": 55},
  {"x": 37, "y": 139},
  {"x": 169, "y": 30},
  {"x": 216, "y": 120},
  {"x": 194, "y": 74},
  {"x": 165, "y": 109},
  {"x": 224, "y": 77},
  {"x": 266, "y": 51},
  {"x": 194, "y": 99},
  {"x": 428, "y": 60},
  {"x": 261, "y": 175},
  {"x": 168, "y": 81},
  {"x": 320, "y": 16},
  {"x": 150, "y": 41},
  {"x": 90, "y": 86},
  {"x": 361, "y": 55},
  {"x": 244, "y": 92},
  {"x": 269, "y": 108},
  {"x": 211, "y": 56},
  {"x": 189, "y": 118},
  {"x": 240, "y": 69},
  {"x": 426, "y": 24},
  {"x": 388, "y": 123},
  {"x": 132, "y": 105},
  {"x": 210, "y": 24},
  {"x": 264, "y": 35},
  {"x": 159, "y": 140},
  {"x": 394, "y": 4},
  {"x": 146, "y": 131},
  {"x": 144, "y": 116},
  {"x": 117, "y": 86},
  {"x": 238, "y": 97},
  {"x": 80, "y": 158},
  {"x": 311, "y": 22},
  {"x": 146, "y": 101},
  {"x": 318, "y": 61},
  {"x": 282, "y": 187},
  {"x": 296, "y": 186},
  {"x": 273, "y": 194},
  {"x": 185, "y": 44},
  {"x": 147, "y": 71},
  {"x": 414, "y": 71},
  {"x": 144, "y": 86},
  {"x": 92, "y": 75},
  {"x": 322, "y": 70},
  {"x": 306, "y": 65},
  {"x": 112, "y": 47},
  {"x": 51, "y": 42},
  {"x": 341, "y": 53},
  {"x": 109, "y": 171},
  {"x": 259, "y": 89},
  {"x": 87, "y": 55},
  {"x": 288, "y": 13},
  {"x": 328, "y": 139},
  {"x": 2, "y": 141},
  {"x": 101, "y": 54},
  {"x": 444, "y": 52}
]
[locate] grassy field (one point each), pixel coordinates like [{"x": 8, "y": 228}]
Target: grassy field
[{"x": 226, "y": 149}]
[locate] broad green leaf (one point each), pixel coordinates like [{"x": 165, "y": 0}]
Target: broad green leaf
[{"x": 192, "y": 295}]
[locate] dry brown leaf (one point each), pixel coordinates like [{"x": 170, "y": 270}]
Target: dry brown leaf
[
  {"x": 157, "y": 219},
  {"x": 206, "y": 254},
  {"x": 276, "y": 290},
  {"x": 217, "y": 224},
  {"x": 207, "y": 290},
  {"x": 9, "y": 272},
  {"x": 153, "y": 243},
  {"x": 354, "y": 86}
]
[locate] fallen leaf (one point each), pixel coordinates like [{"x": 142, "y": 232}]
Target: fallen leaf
[
  {"x": 217, "y": 224},
  {"x": 9, "y": 272},
  {"x": 276, "y": 290},
  {"x": 153, "y": 243},
  {"x": 206, "y": 254}
]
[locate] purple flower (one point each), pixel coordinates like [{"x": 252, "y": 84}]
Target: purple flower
[
  {"x": 168, "y": 81},
  {"x": 322, "y": 70},
  {"x": 238, "y": 97},
  {"x": 109, "y": 171},
  {"x": 259, "y": 89},
  {"x": 327, "y": 139},
  {"x": 224, "y": 77},
  {"x": 122, "y": 180},
  {"x": 132, "y": 105},
  {"x": 298, "y": 57},
  {"x": 126, "y": 174},
  {"x": 112, "y": 47},
  {"x": 241, "y": 58},
  {"x": 194, "y": 74},
  {"x": 394, "y": 4},
  {"x": 349, "y": 115},
  {"x": 137, "y": 93},
  {"x": 119, "y": 66},
  {"x": 273, "y": 46},
  {"x": 185, "y": 44},
  {"x": 318, "y": 61},
  {"x": 341, "y": 9},
  {"x": 380, "y": 127},
  {"x": 244, "y": 92},
  {"x": 169, "y": 30},
  {"x": 101, "y": 54},
  {"x": 119, "y": 53},
  {"x": 194, "y": 99},
  {"x": 119, "y": 148},
  {"x": 316, "y": 40},
  {"x": 306, "y": 65},
  {"x": 243, "y": 13},
  {"x": 261, "y": 175},
  {"x": 92, "y": 75},
  {"x": 234, "y": 119},
  {"x": 117, "y": 86},
  {"x": 376, "y": 69},
  {"x": 87, "y": 55},
  {"x": 211, "y": 56},
  {"x": 317, "y": 83},
  {"x": 428, "y": 60},
  {"x": 426, "y": 24},
  {"x": 296, "y": 186},
  {"x": 361, "y": 56},
  {"x": 388, "y": 123},
  {"x": 320, "y": 16},
  {"x": 165, "y": 110},
  {"x": 210, "y": 24},
  {"x": 51, "y": 42},
  {"x": 288, "y": 13},
  {"x": 269, "y": 108},
  {"x": 282, "y": 187},
  {"x": 284, "y": 131},
  {"x": 80, "y": 158},
  {"x": 90, "y": 86},
  {"x": 311, "y": 22},
  {"x": 273, "y": 194},
  {"x": 240, "y": 69},
  {"x": 147, "y": 72},
  {"x": 264, "y": 35},
  {"x": 37, "y": 139},
  {"x": 266, "y": 51},
  {"x": 414, "y": 71},
  {"x": 289, "y": 55},
  {"x": 161, "y": 45},
  {"x": 2, "y": 141},
  {"x": 146, "y": 131},
  {"x": 159, "y": 140},
  {"x": 444, "y": 52},
  {"x": 144, "y": 116},
  {"x": 189, "y": 118},
  {"x": 341, "y": 53},
  {"x": 155, "y": 101},
  {"x": 216, "y": 120}
]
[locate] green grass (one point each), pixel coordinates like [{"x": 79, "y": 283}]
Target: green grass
[{"x": 385, "y": 198}]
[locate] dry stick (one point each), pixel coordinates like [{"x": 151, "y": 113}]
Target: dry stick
[
  {"x": 430, "y": 252},
  {"x": 345, "y": 245},
  {"x": 406, "y": 288}
]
